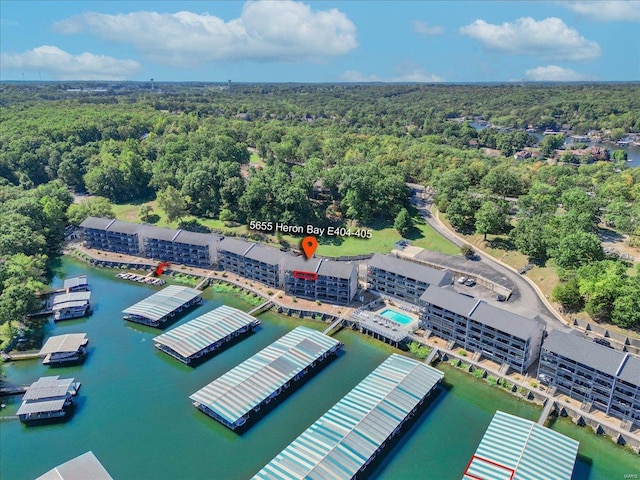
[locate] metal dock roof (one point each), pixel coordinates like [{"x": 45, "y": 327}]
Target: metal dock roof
[
  {"x": 64, "y": 343},
  {"x": 205, "y": 330},
  {"x": 342, "y": 441},
  {"x": 237, "y": 392},
  {"x": 80, "y": 468},
  {"x": 75, "y": 282},
  {"x": 514, "y": 448},
  {"x": 47, "y": 394},
  {"x": 71, "y": 297},
  {"x": 162, "y": 303}
]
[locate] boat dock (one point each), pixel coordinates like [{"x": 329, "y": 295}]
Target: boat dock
[
  {"x": 346, "y": 439},
  {"x": 159, "y": 308},
  {"x": 549, "y": 407},
  {"x": 48, "y": 398},
  {"x": 136, "y": 277},
  {"x": 84, "y": 466},
  {"x": 71, "y": 305},
  {"x": 261, "y": 308},
  {"x": 235, "y": 396},
  {"x": 64, "y": 349},
  {"x": 205, "y": 334}
]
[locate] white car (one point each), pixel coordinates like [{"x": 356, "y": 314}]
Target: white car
[{"x": 461, "y": 280}]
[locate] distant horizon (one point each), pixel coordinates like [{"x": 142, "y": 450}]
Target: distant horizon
[{"x": 329, "y": 41}]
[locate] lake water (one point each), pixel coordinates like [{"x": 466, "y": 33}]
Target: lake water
[{"x": 134, "y": 413}]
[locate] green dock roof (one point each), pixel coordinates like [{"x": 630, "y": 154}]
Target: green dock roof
[
  {"x": 246, "y": 386},
  {"x": 163, "y": 303},
  {"x": 205, "y": 330},
  {"x": 341, "y": 442},
  {"x": 514, "y": 448}
]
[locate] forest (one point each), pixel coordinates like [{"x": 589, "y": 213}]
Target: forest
[{"x": 325, "y": 154}]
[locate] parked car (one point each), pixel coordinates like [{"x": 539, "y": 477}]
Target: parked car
[
  {"x": 501, "y": 298},
  {"x": 470, "y": 282},
  {"x": 461, "y": 280},
  {"x": 603, "y": 342}
]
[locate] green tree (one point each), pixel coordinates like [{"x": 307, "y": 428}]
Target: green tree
[
  {"x": 490, "y": 218},
  {"x": 461, "y": 212},
  {"x": 568, "y": 294},
  {"x": 403, "y": 222},
  {"x": 92, "y": 207},
  {"x": 550, "y": 143},
  {"x": 529, "y": 237},
  {"x": 577, "y": 249},
  {"x": 601, "y": 283},
  {"x": 145, "y": 212},
  {"x": 172, "y": 203},
  {"x": 626, "y": 307}
]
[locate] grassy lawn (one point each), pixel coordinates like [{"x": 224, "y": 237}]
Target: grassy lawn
[{"x": 255, "y": 159}]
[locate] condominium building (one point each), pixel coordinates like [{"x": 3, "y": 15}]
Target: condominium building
[
  {"x": 111, "y": 235},
  {"x": 324, "y": 280},
  {"x": 596, "y": 375},
  {"x": 251, "y": 261},
  {"x": 402, "y": 279},
  {"x": 476, "y": 326}
]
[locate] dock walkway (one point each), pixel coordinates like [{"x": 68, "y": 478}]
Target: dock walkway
[{"x": 548, "y": 408}]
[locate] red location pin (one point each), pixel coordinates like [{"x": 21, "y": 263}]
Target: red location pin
[{"x": 309, "y": 245}]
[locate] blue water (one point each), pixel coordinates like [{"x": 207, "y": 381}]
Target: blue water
[{"x": 396, "y": 316}]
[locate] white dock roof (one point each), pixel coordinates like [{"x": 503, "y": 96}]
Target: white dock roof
[
  {"x": 162, "y": 303},
  {"x": 519, "y": 449},
  {"x": 205, "y": 330},
  {"x": 64, "y": 343},
  {"x": 71, "y": 297},
  {"x": 47, "y": 394},
  {"x": 84, "y": 467},
  {"x": 235, "y": 393},
  {"x": 340, "y": 442}
]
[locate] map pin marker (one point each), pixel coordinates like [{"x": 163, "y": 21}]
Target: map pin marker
[{"x": 309, "y": 245}]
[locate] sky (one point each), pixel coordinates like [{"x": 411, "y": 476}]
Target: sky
[{"x": 321, "y": 41}]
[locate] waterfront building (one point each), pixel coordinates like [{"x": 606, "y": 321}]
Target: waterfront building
[
  {"x": 111, "y": 235},
  {"x": 156, "y": 310},
  {"x": 476, "y": 326},
  {"x": 402, "y": 279},
  {"x": 324, "y": 280},
  {"x": 513, "y": 448},
  {"x": 85, "y": 466},
  {"x": 346, "y": 439},
  {"x": 235, "y": 396},
  {"x": 64, "y": 349},
  {"x": 71, "y": 305},
  {"x": 76, "y": 284},
  {"x": 596, "y": 375},
  {"x": 48, "y": 398},
  {"x": 205, "y": 334},
  {"x": 250, "y": 260}
]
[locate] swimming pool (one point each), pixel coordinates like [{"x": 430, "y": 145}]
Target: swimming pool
[{"x": 396, "y": 316}]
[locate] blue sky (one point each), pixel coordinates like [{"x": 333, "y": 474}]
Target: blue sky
[{"x": 326, "y": 41}]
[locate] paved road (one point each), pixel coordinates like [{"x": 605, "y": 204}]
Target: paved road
[{"x": 524, "y": 299}]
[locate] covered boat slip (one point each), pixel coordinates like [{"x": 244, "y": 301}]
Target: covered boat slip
[
  {"x": 350, "y": 435},
  {"x": 159, "y": 307},
  {"x": 83, "y": 467},
  {"x": 47, "y": 398},
  {"x": 64, "y": 348},
  {"x": 205, "y": 333},
  {"x": 231, "y": 398},
  {"x": 514, "y": 448}
]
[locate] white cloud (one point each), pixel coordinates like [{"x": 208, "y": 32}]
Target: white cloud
[
  {"x": 266, "y": 31},
  {"x": 549, "y": 39},
  {"x": 65, "y": 66},
  {"x": 607, "y": 11},
  {"x": 405, "y": 72},
  {"x": 554, "y": 73},
  {"x": 5, "y": 22},
  {"x": 423, "y": 27}
]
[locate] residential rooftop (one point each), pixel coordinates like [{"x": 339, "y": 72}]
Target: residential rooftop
[{"x": 411, "y": 270}]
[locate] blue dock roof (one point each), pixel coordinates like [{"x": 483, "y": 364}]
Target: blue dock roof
[{"x": 341, "y": 442}]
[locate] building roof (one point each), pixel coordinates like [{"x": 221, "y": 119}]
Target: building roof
[
  {"x": 157, "y": 233},
  {"x": 70, "y": 342},
  {"x": 196, "y": 238},
  {"x": 294, "y": 263},
  {"x": 270, "y": 256},
  {"x": 162, "y": 303},
  {"x": 119, "y": 226},
  {"x": 507, "y": 322},
  {"x": 96, "y": 223},
  {"x": 336, "y": 269},
  {"x": 631, "y": 370},
  {"x": 47, "y": 394},
  {"x": 411, "y": 270},
  {"x": 234, "y": 245},
  {"x": 205, "y": 330},
  {"x": 71, "y": 297},
  {"x": 84, "y": 467},
  {"x": 340, "y": 442},
  {"x": 449, "y": 300},
  {"x": 584, "y": 351},
  {"x": 237, "y": 392},
  {"x": 518, "y": 449},
  {"x": 74, "y": 282}
]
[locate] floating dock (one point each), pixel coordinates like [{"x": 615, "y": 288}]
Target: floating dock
[
  {"x": 64, "y": 349},
  {"x": 76, "y": 284},
  {"x": 232, "y": 398},
  {"x": 47, "y": 399},
  {"x": 156, "y": 310},
  {"x": 71, "y": 305},
  {"x": 513, "y": 447},
  {"x": 343, "y": 442},
  {"x": 205, "y": 334},
  {"x": 85, "y": 466}
]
